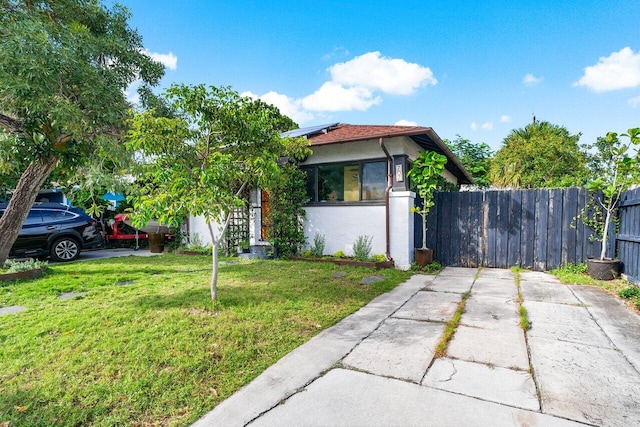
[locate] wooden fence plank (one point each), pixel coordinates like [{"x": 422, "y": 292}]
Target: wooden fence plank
[
  {"x": 541, "y": 219},
  {"x": 516, "y": 225},
  {"x": 528, "y": 229}
]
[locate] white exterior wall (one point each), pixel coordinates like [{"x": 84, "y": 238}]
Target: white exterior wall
[
  {"x": 401, "y": 228},
  {"x": 197, "y": 225},
  {"x": 341, "y": 226}
]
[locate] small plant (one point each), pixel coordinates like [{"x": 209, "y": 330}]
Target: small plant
[
  {"x": 340, "y": 254},
  {"x": 317, "y": 250},
  {"x": 195, "y": 242},
  {"x": 362, "y": 248},
  {"x": 432, "y": 268},
  {"x": 18, "y": 266},
  {"x": 378, "y": 258},
  {"x": 630, "y": 292}
]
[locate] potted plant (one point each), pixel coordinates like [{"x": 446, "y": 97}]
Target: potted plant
[
  {"x": 424, "y": 174},
  {"x": 618, "y": 167}
]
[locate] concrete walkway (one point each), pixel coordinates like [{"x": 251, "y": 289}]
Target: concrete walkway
[{"x": 579, "y": 364}]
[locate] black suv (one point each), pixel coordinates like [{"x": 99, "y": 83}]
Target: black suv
[{"x": 56, "y": 230}]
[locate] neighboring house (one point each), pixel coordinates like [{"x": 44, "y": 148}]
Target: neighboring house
[{"x": 349, "y": 174}]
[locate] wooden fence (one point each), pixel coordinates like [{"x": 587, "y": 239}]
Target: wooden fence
[
  {"x": 629, "y": 235},
  {"x": 533, "y": 229}
]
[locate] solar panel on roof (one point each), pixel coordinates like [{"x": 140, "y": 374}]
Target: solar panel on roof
[{"x": 307, "y": 131}]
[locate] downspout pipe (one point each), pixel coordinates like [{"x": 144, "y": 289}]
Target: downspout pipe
[{"x": 386, "y": 199}]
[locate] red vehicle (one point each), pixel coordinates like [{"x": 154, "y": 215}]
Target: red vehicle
[{"x": 118, "y": 230}]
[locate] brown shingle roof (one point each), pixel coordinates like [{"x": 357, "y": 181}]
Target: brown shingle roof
[{"x": 348, "y": 133}]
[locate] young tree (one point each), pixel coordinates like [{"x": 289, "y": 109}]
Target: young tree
[
  {"x": 540, "y": 155},
  {"x": 64, "y": 66},
  {"x": 476, "y": 158},
  {"x": 200, "y": 160}
]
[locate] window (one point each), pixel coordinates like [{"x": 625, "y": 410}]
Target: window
[{"x": 346, "y": 182}]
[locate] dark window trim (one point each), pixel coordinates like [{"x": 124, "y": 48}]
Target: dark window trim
[{"x": 360, "y": 163}]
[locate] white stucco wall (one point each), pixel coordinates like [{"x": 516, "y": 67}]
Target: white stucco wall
[{"x": 341, "y": 226}]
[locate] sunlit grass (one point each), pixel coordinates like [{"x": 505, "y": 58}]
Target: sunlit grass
[{"x": 145, "y": 344}]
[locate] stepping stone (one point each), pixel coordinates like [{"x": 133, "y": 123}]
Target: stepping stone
[
  {"x": 491, "y": 287},
  {"x": 372, "y": 279},
  {"x": 70, "y": 295},
  {"x": 126, "y": 283},
  {"x": 496, "y": 273},
  {"x": 339, "y": 274},
  {"x": 14, "y": 309}
]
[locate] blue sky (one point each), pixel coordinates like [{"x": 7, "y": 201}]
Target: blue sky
[{"x": 477, "y": 69}]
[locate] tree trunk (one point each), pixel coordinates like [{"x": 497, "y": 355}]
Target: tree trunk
[
  {"x": 214, "y": 272},
  {"x": 424, "y": 231},
  {"x": 21, "y": 201}
]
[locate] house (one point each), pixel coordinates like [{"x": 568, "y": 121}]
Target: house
[{"x": 357, "y": 185}]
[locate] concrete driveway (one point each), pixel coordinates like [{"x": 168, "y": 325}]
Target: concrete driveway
[{"x": 578, "y": 364}]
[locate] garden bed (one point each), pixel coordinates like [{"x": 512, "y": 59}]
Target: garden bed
[
  {"x": 351, "y": 262},
  {"x": 22, "y": 274}
]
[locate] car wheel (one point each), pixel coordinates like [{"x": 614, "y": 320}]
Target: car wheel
[{"x": 65, "y": 249}]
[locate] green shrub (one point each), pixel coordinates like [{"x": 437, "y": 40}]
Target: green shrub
[
  {"x": 11, "y": 266},
  {"x": 340, "y": 254},
  {"x": 362, "y": 248},
  {"x": 432, "y": 268},
  {"x": 630, "y": 292},
  {"x": 378, "y": 258},
  {"x": 317, "y": 250}
]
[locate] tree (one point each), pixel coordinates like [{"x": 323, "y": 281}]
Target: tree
[
  {"x": 476, "y": 158},
  {"x": 618, "y": 163},
  {"x": 540, "y": 155},
  {"x": 64, "y": 66},
  {"x": 199, "y": 161}
]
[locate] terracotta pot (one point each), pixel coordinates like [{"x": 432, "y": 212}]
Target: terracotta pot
[
  {"x": 424, "y": 256},
  {"x": 606, "y": 269}
]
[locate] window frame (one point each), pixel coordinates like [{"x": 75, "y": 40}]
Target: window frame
[{"x": 314, "y": 168}]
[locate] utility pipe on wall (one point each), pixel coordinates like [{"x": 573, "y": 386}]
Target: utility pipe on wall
[{"x": 386, "y": 198}]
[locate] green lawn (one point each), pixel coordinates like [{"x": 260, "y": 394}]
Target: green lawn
[{"x": 145, "y": 345}]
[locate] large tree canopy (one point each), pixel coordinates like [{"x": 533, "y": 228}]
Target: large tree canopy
[
  {"x": 200, "y": 159},
  {"x": 540, "y": 155},
  {"x": 64, "y": 66},
  {"x": 476, "y": 158}
]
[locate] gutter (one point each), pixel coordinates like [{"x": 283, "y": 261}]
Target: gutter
[{"x": 386, "y": 199}]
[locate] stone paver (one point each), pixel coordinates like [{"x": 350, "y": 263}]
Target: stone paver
[
  {"x": 506, "y": 348},
  {"x": 490, "y": 312},
  {"x": 458, "y": 271},
  {"x": 538, "y": 276},
  {"x": 455, "y": 284},
  {"x": 14, "y": 309},
  {"x": 348, "y": 398},
  {"x": 547, "y": 292},
  {"x": 491, "y": 287},
  {"x": 564, "y": 323},
  {"x": 400, "y": 349},
  {"x": 500, "y": 385},
  {"x": 619, "y": 323},
  {"x": 496, "y": 273},
  {"x": 586, "y": 383},
  {"x": 432, "y": 306}
]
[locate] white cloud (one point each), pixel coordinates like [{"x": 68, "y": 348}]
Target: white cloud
[
  {"x": 290, "y": 107},
  {"x": 474, "y": 126},
  {"x": 373, "y": 71},
  {"x": 333, "y": 96},
  {"x": 531, "y": 80},
  {"x": 404, "y": 122},
  {"x": 505, "y": 119},
  {"x": 620, "y": 70},
  {"x": 635, "y": 101},
  {"x": 169, "y": 60},
  {"x": 487, "y": 126}
]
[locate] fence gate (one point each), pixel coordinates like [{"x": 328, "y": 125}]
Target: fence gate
[
  {"x": 628, "y": 238},
  {"x": 532, "y": 229}
]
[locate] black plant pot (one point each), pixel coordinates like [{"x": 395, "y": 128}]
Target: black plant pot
[{"x": 606, "y": 269}]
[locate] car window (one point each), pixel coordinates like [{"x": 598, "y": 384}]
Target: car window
[
  {"x": 50, "y": 216},
  {"x": 34, "y": 217}
]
